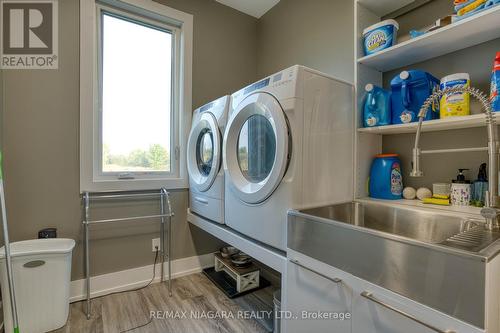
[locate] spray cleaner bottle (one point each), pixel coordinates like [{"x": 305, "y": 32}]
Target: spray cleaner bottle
[{"x": 495, "y": 85}]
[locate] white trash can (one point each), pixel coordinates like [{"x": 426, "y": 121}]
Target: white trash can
[{"x": 42, "y": 274}]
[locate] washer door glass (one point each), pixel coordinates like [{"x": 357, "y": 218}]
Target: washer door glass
[
  {"x": 256, "y": 148},
  {"x": 205, "y": 151}
]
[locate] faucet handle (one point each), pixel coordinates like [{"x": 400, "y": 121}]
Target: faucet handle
[{"x": 489, "y": 212}]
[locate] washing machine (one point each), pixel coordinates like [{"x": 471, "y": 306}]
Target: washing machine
[
  {"x": 204, "y": 160},
  {"x": 288, "y": 144}
]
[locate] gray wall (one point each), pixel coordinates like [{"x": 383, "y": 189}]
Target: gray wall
[
  {"x": 41, "y": 118},
  {"x": 314, "y": 33},
  {"x": 41, "y": 139},
  {"x": 225, "y": 43},
  {"x": 477, "y": 61}
]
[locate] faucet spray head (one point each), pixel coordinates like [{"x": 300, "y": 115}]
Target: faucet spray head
[{"x": 415, "y": 164}]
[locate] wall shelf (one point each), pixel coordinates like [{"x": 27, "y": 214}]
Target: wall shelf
[
  {"x": 384, "y": 7},
  {"x": 470, "y": 210},
  {"x": 451, "y": 123},
  {"x": 477, "y": 29}
]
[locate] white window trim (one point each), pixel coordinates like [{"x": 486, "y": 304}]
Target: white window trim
[{"x": 89, "y": 117}]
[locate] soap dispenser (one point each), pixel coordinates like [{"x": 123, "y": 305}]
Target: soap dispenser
[
  {"x": 460, "y": 190},
  {"x": 479, "y": 187}
]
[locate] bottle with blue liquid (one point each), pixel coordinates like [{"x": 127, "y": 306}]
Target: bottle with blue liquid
[{"x": 377, "y": 106}]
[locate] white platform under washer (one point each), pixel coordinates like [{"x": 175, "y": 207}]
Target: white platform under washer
[
  {"x": 204, "y": 160},
  {"x": 288, "y": 144}
]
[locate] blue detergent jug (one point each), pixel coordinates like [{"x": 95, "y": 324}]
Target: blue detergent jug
[
  {"x": 410, "y": 89},
  {"x": 386, "y": 177},
  {"x": 377, "y": 106}
]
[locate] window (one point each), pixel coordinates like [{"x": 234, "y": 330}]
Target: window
[
  {"x": 136, "y": 101},
  {"x": 135, "y": 113}
]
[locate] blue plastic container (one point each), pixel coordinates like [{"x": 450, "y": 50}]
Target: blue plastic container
[
  {"x": 377, "y": 106},
  {"x": 386, "y": 177},
  {"x": 410, "y": 89},
  {"x": 380, "y": 36}
]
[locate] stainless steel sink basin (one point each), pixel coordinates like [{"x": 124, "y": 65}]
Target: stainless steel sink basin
[
  {"x": 430, "y": 256},
  {"x": 417, "y": 224}
]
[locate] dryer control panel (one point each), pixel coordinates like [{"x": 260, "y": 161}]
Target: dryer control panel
[
  {"x": 284, "y": 77},
  {"x": 259, "y": 85},
  {"x": 282, "y": 85}
]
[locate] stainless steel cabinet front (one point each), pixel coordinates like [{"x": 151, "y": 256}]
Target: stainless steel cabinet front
[{"x": 316, "y": 302}]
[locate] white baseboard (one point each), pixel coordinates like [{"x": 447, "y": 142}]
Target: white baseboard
[{"x": 136, "y": 277}]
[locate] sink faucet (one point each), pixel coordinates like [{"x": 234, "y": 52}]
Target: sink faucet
[{"x": 491, "y": 210}]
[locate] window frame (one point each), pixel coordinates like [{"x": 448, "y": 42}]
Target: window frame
[
  {"x": 92, "y": 177},
  {"x": 174, "y": 158}
]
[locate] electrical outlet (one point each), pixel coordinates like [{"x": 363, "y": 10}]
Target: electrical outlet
[{"x": 156, "y": 243}]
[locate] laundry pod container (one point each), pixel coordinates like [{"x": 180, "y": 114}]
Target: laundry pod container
[{"x": 41, "y": 272}]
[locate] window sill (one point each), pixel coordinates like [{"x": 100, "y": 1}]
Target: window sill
[{"x": 133, "y": 184}]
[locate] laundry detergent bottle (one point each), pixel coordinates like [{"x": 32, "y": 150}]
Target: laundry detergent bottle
[
  {"x": 410, "y": 89},
  {"x": 495, "y": 85},
  {"x": 377, "y": 106},
  {"x": 386, "y": 177}
]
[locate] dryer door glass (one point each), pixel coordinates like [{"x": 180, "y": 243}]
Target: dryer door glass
[
  {"x": 205, "y": 151},
  {"x": 256, "y": 148}
]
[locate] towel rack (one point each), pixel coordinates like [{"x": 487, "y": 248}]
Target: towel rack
[{"x": 164, "y": 216}]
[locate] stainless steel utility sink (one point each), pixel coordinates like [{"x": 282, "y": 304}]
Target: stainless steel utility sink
[
  {"x": 431, "y": 256},
  {"x": 421, "y": 225}
]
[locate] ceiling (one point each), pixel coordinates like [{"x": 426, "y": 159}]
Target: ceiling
[{"x": 255, "y": 8}]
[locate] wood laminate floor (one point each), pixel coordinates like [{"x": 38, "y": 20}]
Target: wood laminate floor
[{"x": 194, "y": 294}]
